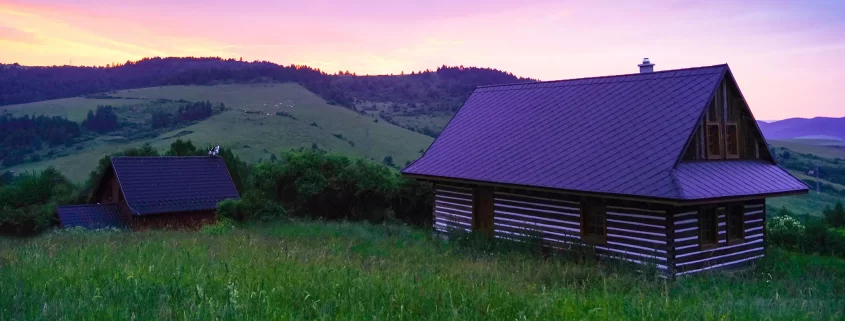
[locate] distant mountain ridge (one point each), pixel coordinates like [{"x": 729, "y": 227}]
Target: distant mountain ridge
[{"x": 813, "y": 128}]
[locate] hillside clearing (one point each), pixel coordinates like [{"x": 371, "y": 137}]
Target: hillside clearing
[
  {"x": 818, "y": 147},
  {"x": 251, "y": 127},
  {"x": 344, "y": 271}
]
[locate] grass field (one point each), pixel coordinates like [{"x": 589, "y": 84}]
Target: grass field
[
  {"x": 811, "y": 203},
  {"x": 344, "y": 271},
  {"x": 253, "y": 136},
  {"x": 819, "y": 147}
]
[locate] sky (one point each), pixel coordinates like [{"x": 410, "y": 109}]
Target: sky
[{"x": 788, "y": 57}]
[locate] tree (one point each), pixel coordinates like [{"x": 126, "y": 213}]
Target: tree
[
  {"x": 835, "y": 217},
  {"x": 388, "y": 160}
]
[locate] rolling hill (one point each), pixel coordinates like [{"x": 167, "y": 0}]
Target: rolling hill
[
  {"x": 421, "y": 101},
  {"x": 250, "y": 126},
  {"x": 824, "y": 128}
]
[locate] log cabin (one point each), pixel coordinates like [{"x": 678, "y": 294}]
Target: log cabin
[
  {"x": 154, "y": 192},
  {"x": 667, "y": 169}
]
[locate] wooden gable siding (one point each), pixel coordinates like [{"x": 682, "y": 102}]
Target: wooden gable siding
[
  {"x": 636, "y": 232},
  {"x": 688, "y": 255},
  {"x": 108, "y": 191}
]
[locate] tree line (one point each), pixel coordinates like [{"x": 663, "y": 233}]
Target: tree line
[
  {"x": 442, "y": 89},
  {"x": 21, "y": 137},
  {"x": 187, "y": 113}
]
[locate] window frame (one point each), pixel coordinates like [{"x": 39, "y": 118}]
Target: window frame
[
  {"x": 736, "y": 142},
  {"x": 590, "y": 207},
  {"x": 707, "y": 243},
  {"x": 733, "y": 211},
  {"x": 719, "y": 139}
]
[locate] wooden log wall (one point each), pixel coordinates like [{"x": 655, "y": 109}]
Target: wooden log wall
[
  {"x": 689, "y": 257},
  {"x": 636, "y": 232},
  {"x": 633, "y": 234},
  {"x": 452, "y": 208}
]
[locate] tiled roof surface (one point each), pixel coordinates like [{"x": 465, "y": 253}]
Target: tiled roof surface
[
  {"x": 93, "y": 216},
  {"x": 616, "y": 135},
  {"x": 702, "y": 180},
  {"x": 173, "y": 184}
]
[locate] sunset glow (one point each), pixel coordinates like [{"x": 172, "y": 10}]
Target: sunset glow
[{"x": 788, "y": 58}]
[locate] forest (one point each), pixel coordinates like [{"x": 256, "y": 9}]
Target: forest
[
  {"x": 442, "y": 89},
  {"x": 21, "y": 136}
]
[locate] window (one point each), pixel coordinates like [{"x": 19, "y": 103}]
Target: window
[
  {"x": 594, "y": 221},
  {"x": 732, "y": 140},
  {"x": 736, "y": 223},
  {"x": 708, "y": 233},
  {"x": 714, "y": 140}
]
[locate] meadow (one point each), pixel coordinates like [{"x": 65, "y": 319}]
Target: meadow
[
  {"x": 308, "y": 270},
  {"x": 821, "y": 147},
  {"x": 250, "y": 127}
]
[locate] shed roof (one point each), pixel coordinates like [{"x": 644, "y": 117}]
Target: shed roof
[
  {"x": 93, "y": 216},
  {"x": 154, "y": 185},
  {"x": 619, "y": 135}
]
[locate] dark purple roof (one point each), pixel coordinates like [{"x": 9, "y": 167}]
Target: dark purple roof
[
  {"x": 610, "y": 135},
  {"x": 703, "y": 180},
  {"x": 93, "y": 216},
  {"x": 173, "y": 184}
]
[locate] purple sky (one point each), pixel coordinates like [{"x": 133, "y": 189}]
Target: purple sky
[{"x": 787, "y": 56}]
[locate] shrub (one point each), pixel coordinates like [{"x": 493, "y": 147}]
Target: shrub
[
  {"x": 786, "y": 231},
  {"x": 819, "y": 238},
  {"x": 28, "y": 204},
  {"x": 331, "y": 186},
  {"x": 835, "y": 217},
  {"x": 223, "y": 225},
  {"x": 27, "y": 220},
  {"x": 251, "y": 207}
]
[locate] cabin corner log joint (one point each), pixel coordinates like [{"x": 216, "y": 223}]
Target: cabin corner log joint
[
  {"x": 667, "y": 169},
  {"x": 154, "y": 192}
]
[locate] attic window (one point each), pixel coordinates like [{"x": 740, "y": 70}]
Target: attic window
[
  {"x": 714, "y": 140},
  {"x": 732, "y": 140}
]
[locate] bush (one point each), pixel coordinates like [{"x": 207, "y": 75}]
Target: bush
[
  {"x": 331, "y": 186},
  {"x": 27, "y": 220},
  {"x": 251, "y": 207},
  {"x": 817, "y": 237},
  {"x": 222, "y": 226},
  {"x": 835, "y": 217},
  {"x": 28, "y": 203},
  {"x": 785, "y": 231}
]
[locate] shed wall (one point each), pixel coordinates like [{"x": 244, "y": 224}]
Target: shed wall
[{"x": 179, "y": 220}]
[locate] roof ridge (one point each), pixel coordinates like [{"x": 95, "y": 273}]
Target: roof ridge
[
  {"x": 169, "y": 157},
  {"x": 599, "y": 77}
]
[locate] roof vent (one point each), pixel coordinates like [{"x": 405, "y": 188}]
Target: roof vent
[{"x": 646, "y": 66}]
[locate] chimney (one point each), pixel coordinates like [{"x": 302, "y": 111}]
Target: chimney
[{"x": 646, "y": 66}]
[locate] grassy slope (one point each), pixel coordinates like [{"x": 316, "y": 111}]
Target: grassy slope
[
  {"x": 247, "y": 134},
  {"x": 811, "y": 203},
  {"x": 819, "y": 147},
  {"x": 317, "y": 271}
]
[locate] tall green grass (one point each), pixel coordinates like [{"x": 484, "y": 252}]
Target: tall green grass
[{"x": 344, "y": 271}]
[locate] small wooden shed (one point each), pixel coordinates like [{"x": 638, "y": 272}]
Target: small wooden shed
[
  {"x": 662, "y": 168},
  {"x": 154, "y": 192}
]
